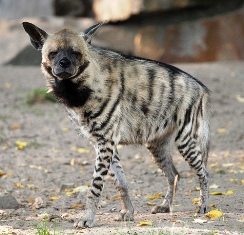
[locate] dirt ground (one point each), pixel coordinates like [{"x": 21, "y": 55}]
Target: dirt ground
[{"x": 55, "y": 156}]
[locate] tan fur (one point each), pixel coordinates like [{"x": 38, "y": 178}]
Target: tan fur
[{"x": 112, "y": 99}]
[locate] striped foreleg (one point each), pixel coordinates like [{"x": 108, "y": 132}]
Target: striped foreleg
[{"x": 104, "y": 155}]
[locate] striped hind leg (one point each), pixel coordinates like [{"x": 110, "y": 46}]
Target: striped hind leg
[
  {"x": 191, "y": 151},
  {"x": 160, "y": 150},
  {"x": 116, "y": 171}
]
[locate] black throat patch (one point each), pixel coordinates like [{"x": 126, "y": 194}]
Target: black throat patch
[{"x": 71, "y": 94}]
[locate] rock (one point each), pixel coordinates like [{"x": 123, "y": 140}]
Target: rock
[
  {"x": 217, "y": 38},
  {"x": 118, "y": 10},
  {"x": 73, "y": 7},
  {"x": 38, "y": 203},
  {"x": 209, "y": 39},
  {"x": 27, "y": 56},
  {"x": 8, "y": 202},
  {"x": 13, "y": 9},
  {"x": 67, "y": 186}
]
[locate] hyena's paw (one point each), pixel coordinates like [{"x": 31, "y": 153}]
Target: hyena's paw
[
  {"x": 160, "y": 209},
  {"x": 125, "y": 216},
  {"x": 202, "y": 209},
  {"x": 86, "y": 221}
]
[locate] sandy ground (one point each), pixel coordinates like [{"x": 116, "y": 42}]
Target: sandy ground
[{"x": 55, "y": 155}]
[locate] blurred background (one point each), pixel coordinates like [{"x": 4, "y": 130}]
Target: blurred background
[{"x": 172, "y": 31}]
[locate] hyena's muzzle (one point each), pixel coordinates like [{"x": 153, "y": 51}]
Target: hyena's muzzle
[{"x": 65, "y": 63}]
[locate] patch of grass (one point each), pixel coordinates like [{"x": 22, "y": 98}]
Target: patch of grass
[
  {"x": 35, "y": 144},
  {"x": 38, "y": 96},
  {"x": 42, "y": 229}
]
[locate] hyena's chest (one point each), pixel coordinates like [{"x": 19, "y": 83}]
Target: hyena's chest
[{"x": 80, "y": 126}]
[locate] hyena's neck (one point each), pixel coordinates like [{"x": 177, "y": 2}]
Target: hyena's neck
[{"x": 71, "y": 94}]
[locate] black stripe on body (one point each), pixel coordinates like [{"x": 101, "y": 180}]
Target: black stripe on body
[
  {"x": 109, "y": 115},
  {"x": 151, "y": 78},
  {"x": 102, "y": 108},
  {"x": 186, "y": 121}
]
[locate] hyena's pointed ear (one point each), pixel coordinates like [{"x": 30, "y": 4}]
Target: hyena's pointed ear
[
  {"x": 89, "y": 33},
  {"x": 37, "y": 35}
]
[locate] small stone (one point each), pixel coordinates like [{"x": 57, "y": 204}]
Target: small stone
[
  {"x": 67, "y": 186},
  {"x": 39, "y": 203},
  {"x": 8, "y": 202}
]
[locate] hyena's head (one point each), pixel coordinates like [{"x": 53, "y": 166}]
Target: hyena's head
[{"x": 64, "y": 53}]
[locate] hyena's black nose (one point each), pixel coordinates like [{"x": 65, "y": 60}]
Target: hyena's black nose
[{"x": 65, "y": 62}]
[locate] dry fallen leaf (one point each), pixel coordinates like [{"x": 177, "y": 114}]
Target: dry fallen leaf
[
  {"x": 151, "y": 204},
  {"x": 65, "y": 129},
  {"x": 2, "y": 173},
  {"x": 31, "y": 186},
  {"x": 81, "y": 189},
  {"x": 217, "y": 193},
  {"x": 80, "y": 150},
  {"x": 195, "y": 200},
  {"x": 199, "y": 221},
  {"x": 213, "y": 186},
  {"x": 31, "y": 200},
  {"x": 8, "y": 175},
  {"x": 19, "y": 185},
  {"x": 53, "y": 198},
  {"x": 242, "y": 167},
  {"x": 120, "y": 146},
  {"x": 20, "y": 145},
  {"x": 15, "y": 126},
  {"x": 228, "y": 165},
  {"x": 117, "y": 197},
  {"x": 155, "y": 196},
  {"x": 35, "y": 167},
  {"x": 7, "y": 85},
  {"x": 242, "y": 181},
  {"x": 69, "y": 192},
  {"x": 240, "y": 99},
  {"x": 76, "y": 206},
  {"x": 4, "y": 230},
  {"x": 234, "y": 180},
  {"x": 175, "y": 221},
  {"x": 72, "y": 162},
  {"x": 64, "y": 215},
  {"x": 214, "y": 164},
  {"x": 221, "y": 130},
  {"x": 214, "y": 214},
  {"x": 144, "y": 223},
  {"x": 229, "y": 192}
]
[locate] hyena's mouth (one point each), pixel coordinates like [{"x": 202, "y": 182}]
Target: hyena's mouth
[
  {"x": 64, "y": 75},
  {"x": 80, "y": 70}
]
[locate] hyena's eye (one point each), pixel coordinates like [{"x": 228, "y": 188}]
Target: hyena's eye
[
  {"x": 77, "y": 54},
  {"x": 52, "y": 54}
]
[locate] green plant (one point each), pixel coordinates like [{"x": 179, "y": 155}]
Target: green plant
[
  {"x": 42, "y": 229},
  {"x": 39, "y": 95}
]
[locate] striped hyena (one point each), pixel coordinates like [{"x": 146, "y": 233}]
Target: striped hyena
[{"x": 112, "y": 98}]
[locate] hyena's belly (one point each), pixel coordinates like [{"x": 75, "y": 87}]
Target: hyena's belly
[{"x": 143, "y": 131}]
